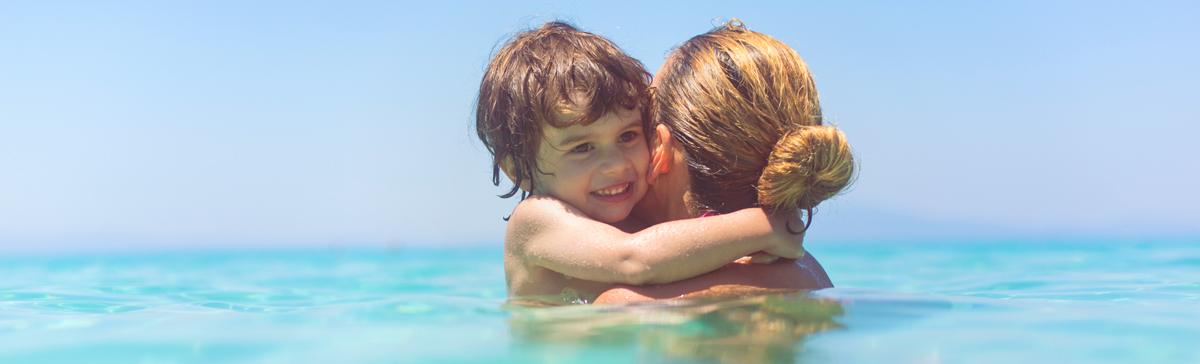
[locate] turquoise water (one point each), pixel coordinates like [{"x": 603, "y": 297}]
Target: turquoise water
[{"x": 1112, "y": 302}]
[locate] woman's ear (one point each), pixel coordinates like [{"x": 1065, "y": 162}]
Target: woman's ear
[{"x": 661, "y": 153}]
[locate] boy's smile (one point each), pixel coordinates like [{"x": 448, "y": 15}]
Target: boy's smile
[
  {"x": 599, "y": 168},
  {"x": 616, "y": 193}
]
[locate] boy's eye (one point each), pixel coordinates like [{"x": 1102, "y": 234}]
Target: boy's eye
[
  {"x": 628, "y": 136},
  {"x": 582, "y": 148}
]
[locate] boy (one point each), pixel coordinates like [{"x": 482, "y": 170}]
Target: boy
[{"x": 563, "y": 113}]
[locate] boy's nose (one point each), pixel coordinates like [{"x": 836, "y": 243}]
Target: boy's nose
[{"x": 616, "y": 162}]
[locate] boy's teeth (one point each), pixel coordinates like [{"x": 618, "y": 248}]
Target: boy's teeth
[{"x": 613, "y": 190}]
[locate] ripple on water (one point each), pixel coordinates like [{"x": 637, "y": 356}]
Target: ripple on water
[
  {"x": 23, "y": 296},
  {"x": 59, "y": 302},
  {"x": 90, "y": 307},
  {"x": 226, "y": 306}
]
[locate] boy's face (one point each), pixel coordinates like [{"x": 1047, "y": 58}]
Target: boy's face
[{"x": 599, "y": 168}]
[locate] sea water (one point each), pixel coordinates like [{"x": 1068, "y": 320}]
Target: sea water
[{"x": 955, "y": 302}]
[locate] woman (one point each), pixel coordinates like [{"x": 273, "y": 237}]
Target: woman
[{"x": 738, "y": 125}]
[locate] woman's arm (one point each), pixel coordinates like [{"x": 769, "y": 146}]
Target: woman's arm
[{"x": 552, "y": 234}]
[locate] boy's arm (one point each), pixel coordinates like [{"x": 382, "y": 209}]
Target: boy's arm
[{"x": 554, "y": 235}]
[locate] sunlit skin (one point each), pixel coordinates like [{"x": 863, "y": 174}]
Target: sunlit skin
[{"x": 573, "y": 238}]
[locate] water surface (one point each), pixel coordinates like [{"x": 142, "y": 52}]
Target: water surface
[{"x": 1085, "y": 302}]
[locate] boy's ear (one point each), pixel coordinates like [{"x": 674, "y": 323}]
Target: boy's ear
[
  {"x": 506, "y": 165},
  {"x": 661, "y": 153}
]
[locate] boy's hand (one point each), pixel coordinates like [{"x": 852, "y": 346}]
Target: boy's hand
[{"x": 786, "y": 245}]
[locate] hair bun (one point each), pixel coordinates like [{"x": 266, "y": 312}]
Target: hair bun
[{"x": 807, "y": 165}]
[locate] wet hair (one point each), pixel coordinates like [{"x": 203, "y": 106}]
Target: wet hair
[
  {"x": 558, "y": 76},
  {"x": 744, "y": 108}
]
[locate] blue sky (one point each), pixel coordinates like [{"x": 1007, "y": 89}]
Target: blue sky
[{"x": 220, "y": 124}]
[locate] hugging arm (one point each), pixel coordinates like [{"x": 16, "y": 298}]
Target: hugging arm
[
  {"x": 552, "y": 234},
  {"x": 784, "y": 275}
]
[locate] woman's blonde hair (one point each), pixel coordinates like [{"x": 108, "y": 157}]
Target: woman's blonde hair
[{"x": 744, "y": 107}]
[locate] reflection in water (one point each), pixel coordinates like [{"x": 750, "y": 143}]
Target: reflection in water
[{"x": 755, "y": 329}]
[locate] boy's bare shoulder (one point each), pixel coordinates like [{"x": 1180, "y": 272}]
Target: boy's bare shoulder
[{"x": 533, "y": 216}]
